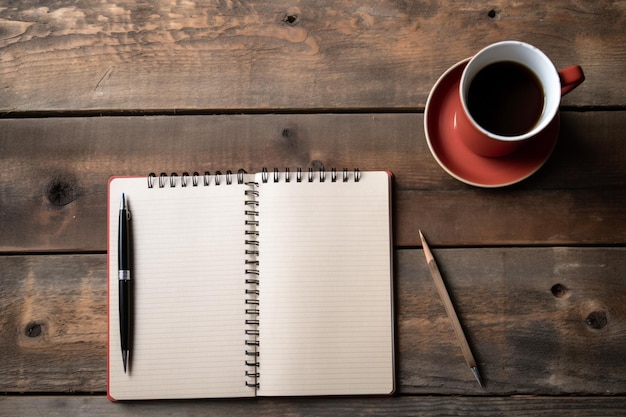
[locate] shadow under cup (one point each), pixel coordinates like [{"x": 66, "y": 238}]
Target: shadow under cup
[{"x": 509, "y": 93}]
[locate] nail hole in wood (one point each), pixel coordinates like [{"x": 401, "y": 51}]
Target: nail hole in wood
[
  {"x": 559, "y": 290},
  {"x": 290, "y": 19},
  {"x": 597, "y": 319},
  {"x": 33, "y": 329},
  {"x": 491, "y": 13}
]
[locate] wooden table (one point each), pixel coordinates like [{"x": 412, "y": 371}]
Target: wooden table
[{"x": 536, "y": 270}]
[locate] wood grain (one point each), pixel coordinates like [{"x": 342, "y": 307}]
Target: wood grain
[
  {"x": 54, "y": 173},
  {"x": 536, "y": 270},
  {"x": 414, "y": 406},
  {"x": 534, "y": 317},
  {"x": 450, "y": 310},
  {"x": 53, "y": 323},
  {"x": 164, "y": 56},
  {"x": 540, "y": 321}
]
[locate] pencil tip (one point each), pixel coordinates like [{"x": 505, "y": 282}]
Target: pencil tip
[{"x": 477, "y": 375}]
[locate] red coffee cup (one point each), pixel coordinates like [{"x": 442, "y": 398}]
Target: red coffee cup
[{"x": 509, "y": 93}]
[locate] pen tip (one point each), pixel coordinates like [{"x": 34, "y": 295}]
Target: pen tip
[{"x": 125, "y": 359}]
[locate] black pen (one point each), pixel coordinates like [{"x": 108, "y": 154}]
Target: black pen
[{"x": 123, "y": 263}]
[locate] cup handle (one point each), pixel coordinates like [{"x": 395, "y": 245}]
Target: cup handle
[{"x": 571, "y": 77}]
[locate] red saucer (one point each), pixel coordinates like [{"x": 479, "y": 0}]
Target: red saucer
[{"x": 454, "y": 156}]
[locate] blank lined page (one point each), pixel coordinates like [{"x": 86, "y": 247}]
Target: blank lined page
[
  {"x": 326, "y": 323},
  {"x": 189, "y": 284}
]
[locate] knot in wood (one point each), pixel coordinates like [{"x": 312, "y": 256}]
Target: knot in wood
[
  {"x": 317, "y": 164},
  {"x": 61, "y": 192}
]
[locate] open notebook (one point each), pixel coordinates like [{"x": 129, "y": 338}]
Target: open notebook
[{"x": 268, "y": 284}]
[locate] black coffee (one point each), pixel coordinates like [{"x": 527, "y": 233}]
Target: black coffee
[{"x": 505, "y": 98}]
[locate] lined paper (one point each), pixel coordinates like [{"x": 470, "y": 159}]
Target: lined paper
[
  {"x": 326, "y": 324},
  {"x": 188, "y": 284},
  {"x": 325, "y": 292}
]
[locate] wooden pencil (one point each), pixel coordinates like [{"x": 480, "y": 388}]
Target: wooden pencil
[{"x": 447, "y": 303}]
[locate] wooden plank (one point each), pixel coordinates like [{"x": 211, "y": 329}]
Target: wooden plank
[
  {"x": 54, "y": 172},
  {"x": 53, "y": 323},
  {"x": 249, "y": 55},
  {"x": 414, "y": 406},
  {"x": 540, "y": 321},
  {"x": 512, "y": 217},
  {"x": 537, "y": 320}
]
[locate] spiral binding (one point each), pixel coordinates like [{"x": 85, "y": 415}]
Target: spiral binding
[
  {"x": 311, "y": 177},
  {"x": 252, "y": 244},
  {"x": 173, "y": 179},
  {"x": 194, "y": 180},
  {"x": 252, "y": 284}
]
